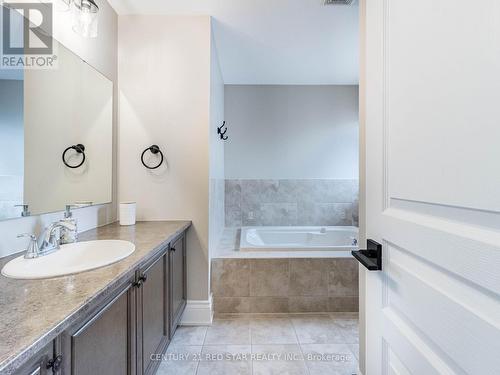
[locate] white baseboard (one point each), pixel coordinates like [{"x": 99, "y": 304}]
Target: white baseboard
[{"x": 198, "y": 313}]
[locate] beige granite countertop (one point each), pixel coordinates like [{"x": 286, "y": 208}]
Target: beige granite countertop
[{"x": 34, "y": 312}]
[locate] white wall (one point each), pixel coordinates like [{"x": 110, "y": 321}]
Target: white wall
[
  {"x": 101, "y": 53},
  {"x": 291, "y": 132},
  {"x": 216, "y": 169},
  {"x": 164, "y": 84}
]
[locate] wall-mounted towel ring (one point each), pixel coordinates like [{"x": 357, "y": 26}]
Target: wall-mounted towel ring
[
  {"x": 155, "y": 149},
  {"x": 221, "y": 132},
  {"x": 80, "y": 149}
]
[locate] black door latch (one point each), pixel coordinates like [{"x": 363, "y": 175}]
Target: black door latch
[{"x": 371, "y": 258}]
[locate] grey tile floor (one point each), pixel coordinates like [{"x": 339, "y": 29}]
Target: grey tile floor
[{"x": 306, "y": 344}]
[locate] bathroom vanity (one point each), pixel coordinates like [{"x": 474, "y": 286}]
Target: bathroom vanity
[{"x": 111, "y": 320}]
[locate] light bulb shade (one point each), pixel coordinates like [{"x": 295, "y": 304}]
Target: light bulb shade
[{"x": 85, "y": 20}]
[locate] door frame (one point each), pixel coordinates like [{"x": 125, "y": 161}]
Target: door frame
[
  {"x": 380, "y": 42},
  {"x": 362, "y": 182}
]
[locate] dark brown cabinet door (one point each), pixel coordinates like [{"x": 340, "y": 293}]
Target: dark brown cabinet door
[
  {"x": 177, "y": 262},
  {"x": 40, "y": 363},
  {"x": 102, "y": 345},
  {"x": 153, "y": 313},
  {"x": 127, "y": 331}
]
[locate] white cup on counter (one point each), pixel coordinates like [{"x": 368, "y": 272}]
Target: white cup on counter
[{"x": 127, "y": 213}]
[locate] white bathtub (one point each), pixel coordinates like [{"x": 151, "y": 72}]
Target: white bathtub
[{"x": 303, "y": 239}]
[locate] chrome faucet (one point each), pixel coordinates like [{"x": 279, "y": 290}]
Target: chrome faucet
[{"x": 47, "y": 242}]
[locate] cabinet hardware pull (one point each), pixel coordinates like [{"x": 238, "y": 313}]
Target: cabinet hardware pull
[
  {"x": 141, "y": 280},
  {"x": 55, "y": 363},
  {"x": 137, "y": 284},
  {"x": 172, "y": 249}
]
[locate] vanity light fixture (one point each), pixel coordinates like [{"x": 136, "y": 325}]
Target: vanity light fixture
[
  {"x": 62, "y": 5},
  {"x": 85, "y": 20},
  {"x": 84, "y": 15}
]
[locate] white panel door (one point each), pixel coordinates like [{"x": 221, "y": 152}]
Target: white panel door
[{"x": 433, "y": 186}]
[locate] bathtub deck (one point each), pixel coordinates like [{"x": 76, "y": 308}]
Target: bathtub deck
[{"x": 229, "y": 247}]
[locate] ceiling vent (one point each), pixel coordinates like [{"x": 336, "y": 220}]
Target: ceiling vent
[{"x": 339, "y": 2}]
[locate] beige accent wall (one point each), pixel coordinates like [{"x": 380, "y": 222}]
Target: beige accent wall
[{"x": 164, "y": 99}]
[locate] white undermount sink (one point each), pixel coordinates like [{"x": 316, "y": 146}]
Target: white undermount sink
[{"x": 70, "y": 259}]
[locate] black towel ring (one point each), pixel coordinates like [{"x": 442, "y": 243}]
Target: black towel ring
[
  {"x": 155, "y": 149},
  {"x": 80, "y": 149}
]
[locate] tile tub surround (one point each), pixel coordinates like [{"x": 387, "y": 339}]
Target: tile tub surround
[
  {"x": 288, "y": 285},
  {"x": 267, "y": 344},
  {"x": 34, "y": 312},
  {"x": 291, "y": 202}
]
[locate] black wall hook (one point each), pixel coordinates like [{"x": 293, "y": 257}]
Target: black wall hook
[
  {"x": 155, "y": 149},
  {"x": 80, "y": 149},
  {"x": 221, "y": 132}
]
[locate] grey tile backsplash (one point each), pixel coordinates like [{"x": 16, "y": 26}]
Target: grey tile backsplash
[{"x": 291, "y": 202}]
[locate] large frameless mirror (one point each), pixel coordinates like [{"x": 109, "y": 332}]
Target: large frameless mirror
[{"x": 55, "y": 136}]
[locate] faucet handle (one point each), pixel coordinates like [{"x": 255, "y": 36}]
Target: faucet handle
[{"x": 32, "y": 251}]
